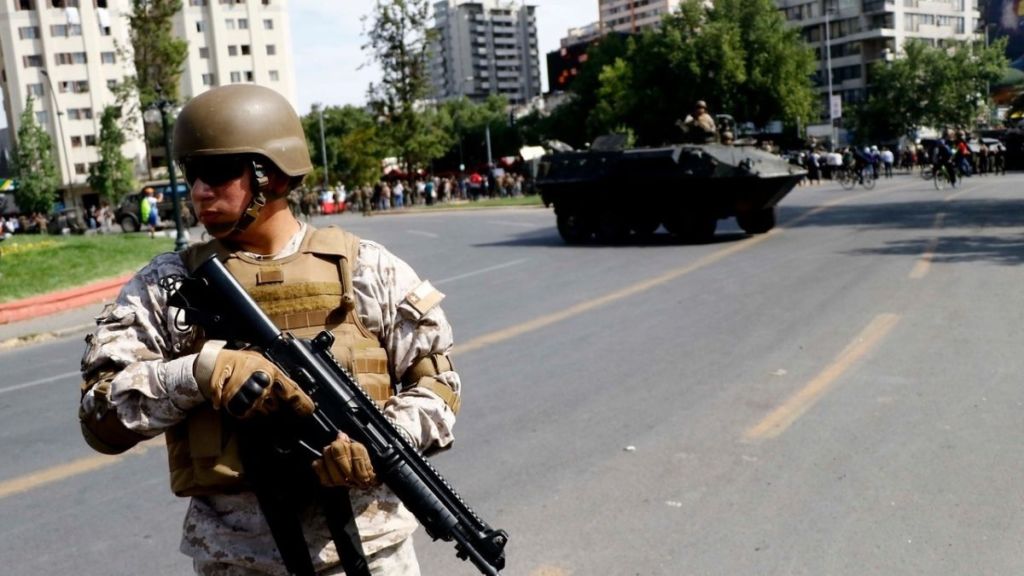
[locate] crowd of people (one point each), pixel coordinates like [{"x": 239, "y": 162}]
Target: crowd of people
[
  {"x": 953, "y": 148},
  {"x": 397, "y": 193}
]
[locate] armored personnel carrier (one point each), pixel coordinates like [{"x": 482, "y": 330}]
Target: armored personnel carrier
[{"x": 613, "y": 193}]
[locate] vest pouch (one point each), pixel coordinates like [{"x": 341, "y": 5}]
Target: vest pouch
[
  {"x": 371, "y": 366},
  {"x": 204, "y": 457}
]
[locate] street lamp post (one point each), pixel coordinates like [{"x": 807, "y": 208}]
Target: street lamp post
[
  {"x": 323, "y": 143},
  {"x": 60, "y": 128},
  {"x": 828, "y": 64},
  {"x": 164, "y": 106}
]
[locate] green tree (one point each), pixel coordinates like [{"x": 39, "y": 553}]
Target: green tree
[
  {"x": 112, "y": 177},
  {"x": 352, "y": 139},
  {"x": 941, "y": 86},
  {"x": 34, "y": 166},
  {"x": 159, "y": 60},
  {"x": 398, "y": 40},
  {"x": 740, "y": 56}
]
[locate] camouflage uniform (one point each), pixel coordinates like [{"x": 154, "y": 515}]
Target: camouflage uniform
[{"x": 156, "y": 388}]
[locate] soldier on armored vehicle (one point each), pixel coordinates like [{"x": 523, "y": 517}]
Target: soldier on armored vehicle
[{"x": 699, "y": 127}]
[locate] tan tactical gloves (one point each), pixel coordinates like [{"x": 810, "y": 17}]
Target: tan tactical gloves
[
  {"x": 346, "y": 463},
  {"x": 245, "y": 384}
]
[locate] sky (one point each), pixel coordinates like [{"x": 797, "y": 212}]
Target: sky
[{"x": 332, "y": 69}]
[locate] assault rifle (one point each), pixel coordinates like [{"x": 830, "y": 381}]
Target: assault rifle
[{"x": 213, "y": 299}]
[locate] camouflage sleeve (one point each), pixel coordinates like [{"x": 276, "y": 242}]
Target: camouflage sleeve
[
  {"x": 383, "y": 285},
  {"x": 133, "y": 364}
]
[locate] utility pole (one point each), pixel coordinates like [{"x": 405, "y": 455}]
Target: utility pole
[{"x": 323, "y": 143}]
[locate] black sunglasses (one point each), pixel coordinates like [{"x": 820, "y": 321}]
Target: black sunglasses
[{"x": 214, "y": 170}]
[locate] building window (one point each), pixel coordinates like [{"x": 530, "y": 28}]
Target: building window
[
  {"x": 32, "y": 61},
  {"x": 43, "y": 117},
  {"x": 230, "y": 23},
  {"x": 232, "y": 50},
  {"x": 208, "y": 79},
  {"x": 266, "y": 2},
  {"x": 268, "y": 24},
  {"x": 90, "y": 139},
  {"x": 64, "y": 3},
  {"x": 25, "y": 5},
  {"x": 76, "y": 141},
  {"x": 236, "y": 77},
  {"x": 75, "y": 86},
  {"x": 200, "y": 26},
  {"x": 271, "y": 49},
  {"x": 204, "y": 52},
  {"x": 35, "y": 89},
  {"x": 80, "y": 168},
  {"x": 197, "y": 2},
  {"x": 107, "y": 57},
  {"x": 28, "y": 32},
  {"x": 249, "y": 76},
  {"x": 64, "y": 58},
  {"x": 111, "y": 83},
  {"x": 99, "y": 3},
  {"x": 243, "y": 23},
  {"x": 274, "y": 76},
  {"x": 245, "y": 50},
  {"x": 80, "y": 113},
  {"x": 65, "y": 30}
]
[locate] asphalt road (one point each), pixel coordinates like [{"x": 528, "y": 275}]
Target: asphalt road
[{"x": 840, "y": 396}]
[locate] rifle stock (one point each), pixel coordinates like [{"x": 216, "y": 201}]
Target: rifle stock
[{"x": 218, "y": 302}]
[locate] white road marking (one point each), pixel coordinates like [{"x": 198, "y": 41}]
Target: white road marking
[
  {"x": 422, "y": 233},
  {"x": 517, "y": 224},
  {"x": 481, "y": 271},
  {"x": 24, "y": 385}
]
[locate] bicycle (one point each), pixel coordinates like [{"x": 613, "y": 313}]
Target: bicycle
[
  {"x": 945, "y": 177},
  {"x": 850, "y": 177}
]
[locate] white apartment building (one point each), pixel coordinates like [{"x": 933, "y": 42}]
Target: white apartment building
[
  {"x": 64, "y": 54},
  {"x": 632, "y": 16},
  {"x": 70, "y": 45},
  {"x": 485, "y": 47},
  {"x": 236, "y": 41},
  {"x": 862, "y": 32}
]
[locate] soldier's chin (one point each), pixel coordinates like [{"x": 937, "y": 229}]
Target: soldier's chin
[{"x": 219, "y": 229}]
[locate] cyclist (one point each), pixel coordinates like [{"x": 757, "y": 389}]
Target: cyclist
[{"x": 944, "y": 155}]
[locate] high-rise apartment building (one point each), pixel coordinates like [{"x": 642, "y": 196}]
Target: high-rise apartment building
[
  {"x": 633, "y": 16},
  {"x": 65, "y": 54},
  {"x": 862, "y": 32},
  {"x": 485, "y": 47},
  {"x": 233, "y": 41}
]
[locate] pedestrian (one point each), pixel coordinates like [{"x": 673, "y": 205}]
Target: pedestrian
[
  {"x": 149, "y": 211},
  {"x": 147, "y": 374}
]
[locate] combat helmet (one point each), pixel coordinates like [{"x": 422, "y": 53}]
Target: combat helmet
[{"x": 242, "y": 119}]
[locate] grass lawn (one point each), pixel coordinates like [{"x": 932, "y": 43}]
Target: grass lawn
[{"x": 31, "y": 265}]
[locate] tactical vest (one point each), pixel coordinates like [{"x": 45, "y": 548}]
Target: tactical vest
[{"x": 305, "y": 293}]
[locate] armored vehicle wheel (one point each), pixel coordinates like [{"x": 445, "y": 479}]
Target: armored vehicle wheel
[
  {"x": 612, "y": 226},
  {"x": 572, "y": 226},
  {"x": 756, "y": 221},
  {"x": 645, "y": 224},
  {"x": 693, "y": 226}
]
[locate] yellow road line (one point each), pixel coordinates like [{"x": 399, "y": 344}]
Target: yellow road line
[
  {"x": 37, "y": 479},
  {"x": 73, "y": 468},
  {"x": 785, "y": 415},
  {"x": 924, "y": 262}
]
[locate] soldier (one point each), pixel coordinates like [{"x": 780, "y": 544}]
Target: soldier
[
  {"x": 700, "y": 126},
  {"x": 242, "y": 149}
]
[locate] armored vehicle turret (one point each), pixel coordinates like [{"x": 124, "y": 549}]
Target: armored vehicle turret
[{"x": 615, "y": 193}]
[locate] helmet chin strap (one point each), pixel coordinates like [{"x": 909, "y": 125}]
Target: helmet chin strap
[{"x": 260, "y": 184}]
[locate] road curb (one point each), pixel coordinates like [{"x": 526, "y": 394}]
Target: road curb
[{"x": 47, "y": 304}]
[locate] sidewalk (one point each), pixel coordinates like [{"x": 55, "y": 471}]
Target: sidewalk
[{"x": 55, "y": 315}]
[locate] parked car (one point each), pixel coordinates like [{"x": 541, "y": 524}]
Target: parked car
[{"x": 127, "y": 212}]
